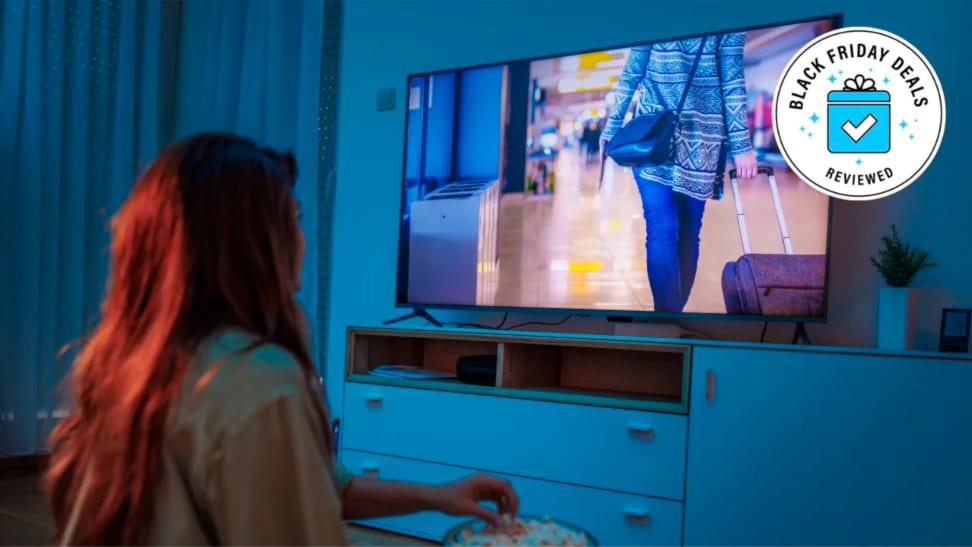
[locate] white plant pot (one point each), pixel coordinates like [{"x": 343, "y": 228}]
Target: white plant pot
[{"x": 897, "y": 308}]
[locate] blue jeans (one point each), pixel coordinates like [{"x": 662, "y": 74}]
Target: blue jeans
[{"x": 672, "y": 225}]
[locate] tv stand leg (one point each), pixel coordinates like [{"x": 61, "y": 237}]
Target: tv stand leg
[
  {"x": 419, "y": 313},
  {"x": 800, "y": 334}
]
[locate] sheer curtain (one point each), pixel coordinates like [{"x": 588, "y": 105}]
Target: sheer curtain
[
  {"x": 90, "y": 90},
  {"x": 81, "y": 107}
]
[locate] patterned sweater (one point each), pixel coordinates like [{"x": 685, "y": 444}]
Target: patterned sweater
[{"x": 715, "y": 106}]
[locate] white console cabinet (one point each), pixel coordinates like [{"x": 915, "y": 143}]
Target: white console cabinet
[{"x": 670, "y": 442}]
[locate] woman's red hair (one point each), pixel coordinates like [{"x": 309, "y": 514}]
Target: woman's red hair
[{"x": 208, "y": 239}]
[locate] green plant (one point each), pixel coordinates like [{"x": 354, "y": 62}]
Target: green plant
[{"x": 899, "y": 262}]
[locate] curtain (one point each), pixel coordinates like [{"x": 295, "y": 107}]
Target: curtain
[
  {"x": 253, "y": 68},
  {"x": 80, "y": 110},
  {"x": 90, "y": 90}
]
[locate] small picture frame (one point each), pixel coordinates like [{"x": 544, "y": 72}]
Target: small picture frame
[{"x": 954, "y": 335}]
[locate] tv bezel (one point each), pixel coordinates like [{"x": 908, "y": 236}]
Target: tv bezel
[{"x": 610, "y": 314}]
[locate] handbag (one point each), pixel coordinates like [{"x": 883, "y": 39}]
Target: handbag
[{"x": 649, "y": 139}]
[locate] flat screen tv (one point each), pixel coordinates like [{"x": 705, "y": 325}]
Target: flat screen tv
[{"x": 507, "y": 205}]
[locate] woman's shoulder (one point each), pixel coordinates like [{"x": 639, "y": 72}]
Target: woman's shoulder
[
  {"x": 240, "y": 342},
  {"x": 233, "y": 376},
  {"x": 247, "y": 357}
]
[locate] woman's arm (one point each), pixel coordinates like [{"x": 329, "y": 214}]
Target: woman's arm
[
  {"x": 366, "y": 497},
  {"x": 631, "y": 76},
  {"x": 730, "y": 51}
]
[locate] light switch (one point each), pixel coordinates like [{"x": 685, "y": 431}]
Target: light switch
[{"x": 386, "y": 99}]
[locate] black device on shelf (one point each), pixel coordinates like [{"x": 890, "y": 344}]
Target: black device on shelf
[{"x": 477, "y": 369}]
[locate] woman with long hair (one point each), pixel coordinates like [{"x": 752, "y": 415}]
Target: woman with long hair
[{"x": 199, "y": 417}]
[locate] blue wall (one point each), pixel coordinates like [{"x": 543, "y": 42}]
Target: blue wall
[
  {"x": 479, "y": 124},
  {"x": 932, "y": 213}
]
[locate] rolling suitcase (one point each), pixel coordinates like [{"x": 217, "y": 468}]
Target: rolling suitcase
[{"x": 788, "y": 284}]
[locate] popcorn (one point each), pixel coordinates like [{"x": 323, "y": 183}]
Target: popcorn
[{"x": 520, "y": 532}]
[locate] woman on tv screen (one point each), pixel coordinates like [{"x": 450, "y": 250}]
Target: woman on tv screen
[{"x": 712, "y": 125}]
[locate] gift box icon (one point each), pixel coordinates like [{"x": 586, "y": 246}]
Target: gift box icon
[{"x": 859, "y": 118}]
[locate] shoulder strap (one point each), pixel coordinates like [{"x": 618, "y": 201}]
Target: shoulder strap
[
  {"x": 718, "y": 60},
  {"x": 723, "y": 145},
  {"x": 688, "y": 84}
]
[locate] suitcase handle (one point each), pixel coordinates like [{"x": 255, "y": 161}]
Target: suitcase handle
[
  {"x": 741, "y": 217},
  {"x": 761, "y": 170}
]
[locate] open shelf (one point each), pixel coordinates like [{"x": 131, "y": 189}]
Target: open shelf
[
  {"x": 629, "y": 372},
  {"x": 367, "y": 351},
  {"x": 601, "y": 373}
]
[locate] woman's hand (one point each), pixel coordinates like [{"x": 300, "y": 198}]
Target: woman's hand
[
  {"x": 746, "y": 167},
  {"x": 462, "y": 498}
]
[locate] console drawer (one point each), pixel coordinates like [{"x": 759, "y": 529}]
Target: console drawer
[
  {"x": 613, "y": 518},
  {"x": 622, "y": 450}
]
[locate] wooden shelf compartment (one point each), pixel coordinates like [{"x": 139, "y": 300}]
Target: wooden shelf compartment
[
  {"x": 571, "y": 370},
  {"x": 640, "y": 371},
  {"x": 369, "y": 350}
]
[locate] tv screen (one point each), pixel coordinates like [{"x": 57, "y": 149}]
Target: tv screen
[{"x": 509, "y": 203}]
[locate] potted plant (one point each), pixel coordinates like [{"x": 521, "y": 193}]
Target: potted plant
[{"x": 898, "y": 263}]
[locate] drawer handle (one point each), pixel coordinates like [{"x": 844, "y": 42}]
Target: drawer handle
[
  {"x": 636, "y": 514},
  {"x": 373, "y": 399},
  {"x": 710, "y": 385},
  {"x": 370, "y": 469},
  {"x": 645, "y": 431}
]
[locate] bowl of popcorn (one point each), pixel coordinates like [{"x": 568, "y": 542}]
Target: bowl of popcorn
[{"x": 522, "y": 530}]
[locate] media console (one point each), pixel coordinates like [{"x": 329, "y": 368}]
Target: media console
[{"x": 676, "y": 442}]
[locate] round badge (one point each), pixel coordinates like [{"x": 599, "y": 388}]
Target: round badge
[{"x": 859, "y": 113}]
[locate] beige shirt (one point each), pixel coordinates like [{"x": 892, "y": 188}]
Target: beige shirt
[{"x": 245, "y": 461}]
